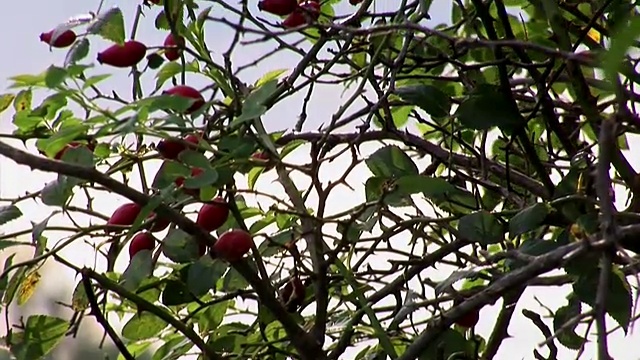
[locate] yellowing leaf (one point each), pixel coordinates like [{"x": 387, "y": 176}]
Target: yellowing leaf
[
  {"x": 5, "y": 101},
  {"x": 594, "y": 35},
  {"x": 28, "y": 287}
]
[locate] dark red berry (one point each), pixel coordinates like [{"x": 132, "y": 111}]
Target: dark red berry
[
  {"x": 233, "y": 245},
  {"x": 159, "y": 223},
  {"x": 122, "y": 56},
  {"x": 124, "y": 215},
  {"x": 179, "y": 181},
  {"x": 213, "y": 214},
  {"x": 293, "y": 294},
  {"x": 308, "y": 12},
  {"x": 172, "y": 51},
  {"x": 355, "y": 2},
  {"x": 469, "y": 319},
  {"x": 170, "y": 148},
  {"x": 142, "y": 241},
  {"x": 278, "y": 7},
  {"x": 63, "y": 40},
  {"x": 189, "y": 93}
]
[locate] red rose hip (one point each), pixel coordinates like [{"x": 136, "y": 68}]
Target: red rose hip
[
  {"x": 233, "y": 245},
  {"x": 278, "y": 7},
  {"x": 142, "y": 241},
  {"x": 189, "y": 93},
  {"x": 170, "y": 148},
  {"x": 172, "y": 52},
  {"x": 469, "y": 319},
  {"x": 63, "y": 40},
  {"x": 212, "y": 215},
  {"x": 122, "y": 56},
  {"x": 308, "y": 12},
  {"x": 159, "y": 223},
  {"x": 125, "y": 215}
]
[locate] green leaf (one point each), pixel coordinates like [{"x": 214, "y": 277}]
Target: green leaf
[
  {"x": 621, "y": 42},
  {"x": 55, "y": 77},
  {"x": 445, "y": 195},
  {"x": 79, "y": 50},
  {"x": 568, "y": 336},
  {"x": 171, "y": 69},
  {"x": 428, "y": 97},
  {"x": 79, "y": 299},
  {"x": 140, "y": 268},
  {"x": 532, "y": 247},
  {"x": 42, "y": 333},
  {"x": 233, "y": 281},
  {"x": 176, "y": 293},
  {"x": 27, "y": 80},
  {"x": 391, "y": 162},
  {"x": 173, "y": 348},
  {"x": 213, "y": 316},
  {"x": 94, "y": 80},
  {"x": 56, "y": 192},
  {"x": 271, "y": 75},
  {"x": 528, "y": 219},
  {"x": 5, "y": 101},
  {"x": 619, "y": 300},
  {"x": 448, "y": 343},
  {"x": 143, "y": 326},
  {"x": 482, "y": 227},
  {"x": 253, "y": 105},
  {"x": 180, "y": 247},
  {"x": 22, "y": 101},
  {"x": 9, "y": 213},
  {"x": 109, "y": 25},
  {"x": 168, "y": 172},
  {"x": 487, "y": 107},
  {"x": 203, "y": 275}
]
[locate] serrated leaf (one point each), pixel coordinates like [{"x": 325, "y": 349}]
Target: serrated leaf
[
  {"x": 78, "y": 51},
  {"x": 203, "y": 275},
  {"x": 109, "y": 25},
  {"x": 9, "y": 213},
  {"x": 5, "y": 101},
  {"x": 140, "y": 268},
  {"x": 42, "y": 333},
  {"x": 428, "y": 97},
  {"x": 79, "y": 299},
  {"x": 488, "y": 107},
  {"x": 28, "y": 287},
  {"x": 22, "y": 101},
  {"x": 482, "y": 227},
  {"x": 528, "y": 219},
  {"x": 55, "y": 76},
  {"x": 619, "y": 300},
  {"x": 391, "y": 162},
  {"x": 142, "y": 326}
]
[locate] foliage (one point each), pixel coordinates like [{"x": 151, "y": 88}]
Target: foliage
[{"x": 493, "y": 140}]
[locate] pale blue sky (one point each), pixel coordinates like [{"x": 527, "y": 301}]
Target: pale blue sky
[{"x": 21, "y": 22}]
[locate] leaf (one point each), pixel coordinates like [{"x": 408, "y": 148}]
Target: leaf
[
  {"x": 28, "y": 287},
  {"x": 532, "y": 247},
  {"x": 482, "y": 227},
  {"x": 428, "y": 97},
  {"x": 27, "y": 80},
  {"x": 528, "y": 219},
  {"x": 9, "y": 213},
  {"x": 173, "y": 348},
  {"x": 140, "y": 268},
  {"x": 168, "y": 172},
  {"x": 22, "y": 101},
  {"x": 391, "y": 162},
  {"x": 180, "y": 247},
  {"x": 619, "y": 300},
  {"x": 271, "y": 75},
  {"x": 42, "y": 333},
  {"x": 621, "y": 42},
  {"x": 233, "y": 281},
  {"x": 109, "y": 25},
  {"x": 5, "y": 101},
  {"x": 78, "y": 51},
  {"x": 448, "y": 343},
  {"x": 56, "y": 192},
  {"x": 94, "y": 80},
  {"x": 253, "y": 105},
  {"x": 442, "y": 193},
  {"x": 55, "y": 76},
  {"x": 38, "y": 228},
  {"x": 79, "y": 299},
  {"x": 143, "y": 326},
  {"x": 568, "y": 336},
  {"x": 213, "y": 316},
  {"x": 171, "y": 69},
  {"x": 445, "y": 285},
  {"x": 203, "y": 275},
  {"x": 487, "y": 107},
  {"x": 176, "y": 293}
]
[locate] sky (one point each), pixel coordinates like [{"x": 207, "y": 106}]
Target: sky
[{"x": 21, "y": 22}]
